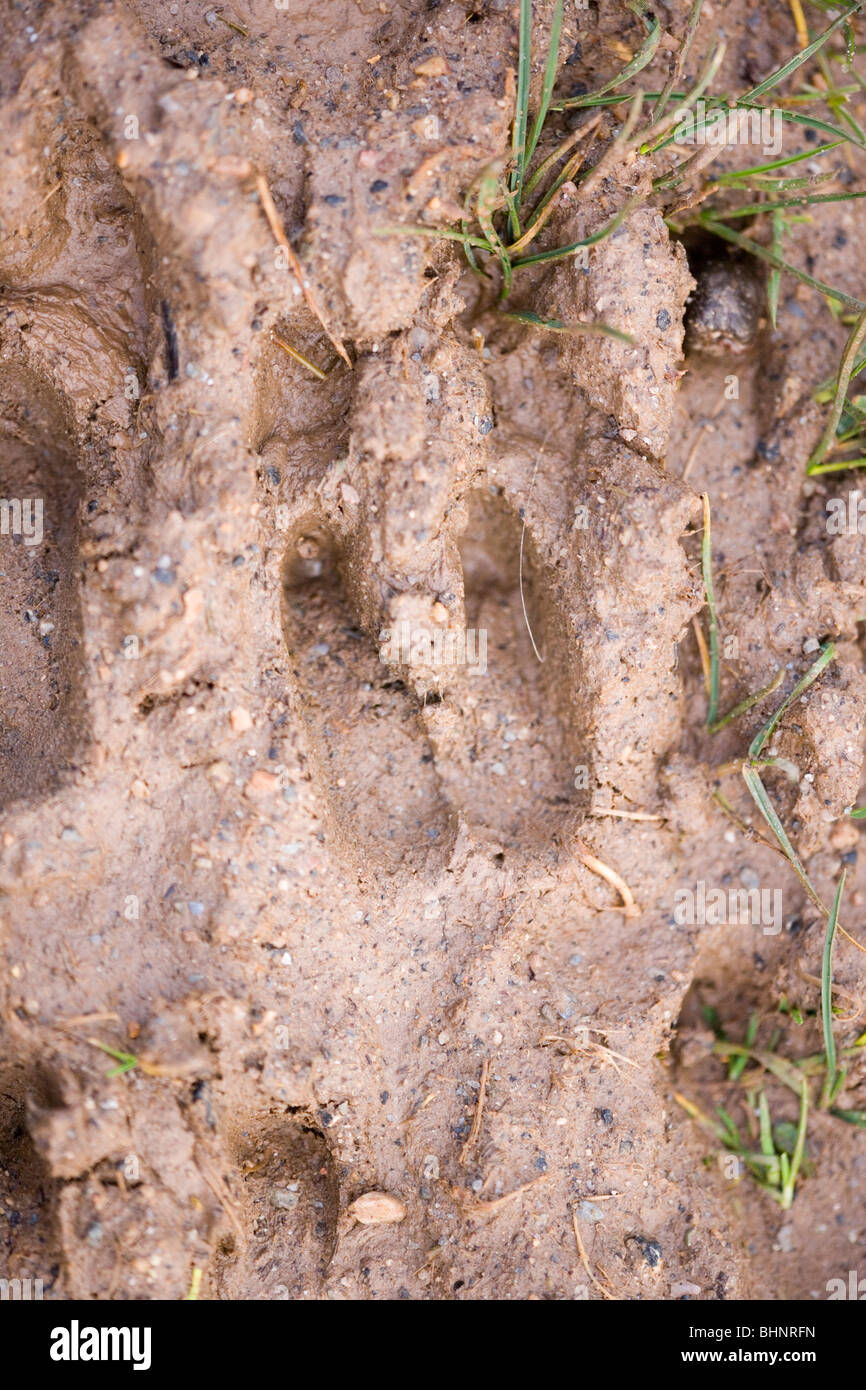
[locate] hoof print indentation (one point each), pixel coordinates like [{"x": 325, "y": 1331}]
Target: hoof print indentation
[
  {"x": 387, "y": 812},
  {"x": 41, "y": 677}
]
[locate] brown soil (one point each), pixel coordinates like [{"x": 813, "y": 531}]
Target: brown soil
[{"x": 323, "y": 892}]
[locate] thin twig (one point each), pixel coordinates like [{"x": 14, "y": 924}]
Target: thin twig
[
  {"x": 276, "y": 225},
  {"x": 484, "y": 1208},
  {"x": 479, "y": 1111},
  {"x": 581, "y": 1250},
  {"x": 597, "y": 866},
  {"x": 299, "y": 357}
]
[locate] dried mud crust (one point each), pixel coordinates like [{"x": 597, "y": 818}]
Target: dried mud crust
[{"x": 319, "y": 888}]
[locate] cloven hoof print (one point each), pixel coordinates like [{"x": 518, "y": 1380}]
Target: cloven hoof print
[{"x": 433, "y": 678}]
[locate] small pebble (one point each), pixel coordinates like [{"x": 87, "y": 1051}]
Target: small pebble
[{"x": 377, "y": 1209}]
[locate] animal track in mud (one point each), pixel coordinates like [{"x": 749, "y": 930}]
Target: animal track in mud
[
  {"x": 389, "y": 807},
  {"x": 41, "y": 678},
  {"x": 289, "y": 1207},
  {"x": 491, "y": 746}
]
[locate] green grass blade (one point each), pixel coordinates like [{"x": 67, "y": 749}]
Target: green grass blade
[
  {"x": 685, "y": 46},
  {"x": 763, "y": 253},
  {"x": 846, "y": 371},
  {"x": 750, "y": 701},
  {"x": 799, "y": 1149},
  {"x": 440, "y": 233},
  {"x": 768, "y": 1148},
  {"x": 853, "y": 1117},
  {"x": 784, "y": 1171},
  {"x": 730, "y": 1125},
  {"x": 599, "y": 330},
  {"x": 802, "y": 57},
  {"x": 814, "y": 122},
  {"x": 521, "y": 113},
  {"x": 780, "y": 1067},
  {"x": 771, "y": 185},
  {"x": 600, "y": 235},
  {"x": 641, "y": 59},
  {"x": 759, "y": 795},
  {"x": 774, "y": 279},
  {"x": 707, "y": 570},
  {"x": 127, "y": 1060},
  {"x": 714, "y": 105},
  {"x": 738, "y": 1065},
  {"x": 841, "y": 466},
  {"x": 738, "y": 175},
  {"x": 547, "y": 89},
  {"x": 804, "y": 201},
  {"x": 667, "y": 131},
  {"x": 827, "y": 997},
  {"x": 828, "y": 653}
]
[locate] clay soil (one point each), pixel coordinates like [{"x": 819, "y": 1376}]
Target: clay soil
[{"x": 342, "y": 906}]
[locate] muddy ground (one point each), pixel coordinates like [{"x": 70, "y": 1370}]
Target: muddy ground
[{"x": 333, "y": 898}]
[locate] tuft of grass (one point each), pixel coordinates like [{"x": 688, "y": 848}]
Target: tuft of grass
[
  {"x": 843, "y": 443},
  {"x": 504, "y": 210},
  {"x": 773, "y": 1153},
  {"x": 512, "y": 201},
  {"x": 779, "y": 1160},
  {"x": 750, "y": 768},
  {"x": 776, "y": 1164}
]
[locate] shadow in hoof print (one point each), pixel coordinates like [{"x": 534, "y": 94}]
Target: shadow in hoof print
[
  {"x": 288, "y": 1210},
  {"x": 29, "y": 1237},
  {"x": 509, "y": 768},
  {"x": 41, "y": 687},
  {"x": 375, "y": 766}
]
